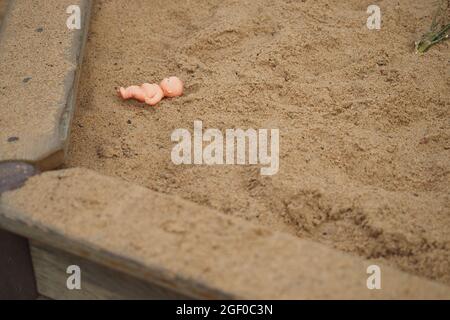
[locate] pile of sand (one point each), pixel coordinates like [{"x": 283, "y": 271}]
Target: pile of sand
[{"x": 364, "y": 122}]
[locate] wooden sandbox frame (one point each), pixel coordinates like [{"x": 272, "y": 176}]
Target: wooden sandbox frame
[{"x": 143, "y": 244}]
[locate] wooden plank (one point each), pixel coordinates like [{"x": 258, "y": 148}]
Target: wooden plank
[
  {"x": 14, "y": 174},
  {"x": 40, "y": 59},
  {"x": 188, "y": 248},
  {"x": 16, "y": 271},
  {"x": 97, "y": 281}
]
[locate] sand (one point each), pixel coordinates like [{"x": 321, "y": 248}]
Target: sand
[
  {"x": 364, "y": 122},
  {"x": 2, "y": 9}
]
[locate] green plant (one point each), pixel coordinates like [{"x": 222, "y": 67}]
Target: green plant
[{"x": 438, "y": 30}]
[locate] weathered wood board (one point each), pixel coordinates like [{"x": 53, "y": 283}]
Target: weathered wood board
[
  {"x": 40, "y": 62},
  {"x": 3, "y": 7},
  {"x": 197, "y": 252}
]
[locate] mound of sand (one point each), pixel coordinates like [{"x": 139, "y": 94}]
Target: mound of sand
[{"x": 364, "y": 122}]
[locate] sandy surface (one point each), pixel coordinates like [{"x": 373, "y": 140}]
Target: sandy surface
[
  {"x": 2, "y": 9},
  {"x": 364, "y": 122}
]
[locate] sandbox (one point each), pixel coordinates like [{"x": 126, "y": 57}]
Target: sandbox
[{"x": 364, "y": 150}]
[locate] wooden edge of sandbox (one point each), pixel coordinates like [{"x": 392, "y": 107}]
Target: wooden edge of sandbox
[
  {"x": 40, "y": 59},
  {"x": 131, "y": 242}
]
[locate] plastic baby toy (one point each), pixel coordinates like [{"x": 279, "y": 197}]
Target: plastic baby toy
[{"x": 151, "y": 94}]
